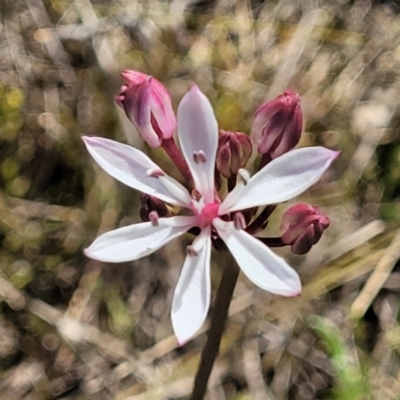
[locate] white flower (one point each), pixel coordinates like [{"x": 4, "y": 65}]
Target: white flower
[{"x": 282, "y": 179}]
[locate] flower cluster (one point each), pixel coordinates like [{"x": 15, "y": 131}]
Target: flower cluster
[{"x": 208, "y": 156}]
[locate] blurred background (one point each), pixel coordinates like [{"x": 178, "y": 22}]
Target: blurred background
[{"x": 73, "y": 328}]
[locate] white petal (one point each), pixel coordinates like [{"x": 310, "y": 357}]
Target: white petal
[
  {"x": 176, "y": 189},
  {"x": 193, "y": 291},
  {"x": 198, "y": 134},
  {"x": 282, "y": 179},
  {"x": 135, "y": 241},
  {"x": 130, "y": 166},
  {"x": 263, "y": 267}
]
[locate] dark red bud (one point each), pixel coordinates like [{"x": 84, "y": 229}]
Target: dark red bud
[
  {"x": 302, "y": 227},
  {"x": 149, "y": 204},
  {"x": 277, "y": 125},
  {"x": 234, "y": 150}
]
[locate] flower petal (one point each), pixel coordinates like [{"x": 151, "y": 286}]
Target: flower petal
[
  {"x": 263, "y": 267},
  {"x": 193, "y": 291},
  {"x": 135, "y": 241},
  {"x": 282, "y": 179},
  {"x": 198, "y": 137},
  {"x": 130, "y": 166}
]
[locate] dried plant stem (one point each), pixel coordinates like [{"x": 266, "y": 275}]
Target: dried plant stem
[{"x": 218, "y": 321}]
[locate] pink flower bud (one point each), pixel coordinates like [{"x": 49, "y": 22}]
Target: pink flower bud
[
  {"x": 147, "y": 104},
  {"x": 234, "y": 150},
  {"x": 277, "y": 125},
  {"x": 302, "y": 227}
]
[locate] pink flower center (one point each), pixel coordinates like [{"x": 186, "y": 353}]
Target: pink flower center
[{"x": 206, "y": 215}]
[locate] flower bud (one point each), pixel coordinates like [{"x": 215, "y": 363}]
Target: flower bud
[
  {"x": 302, "y": 227},
  {"x": 277, "y": 125},
  {"x": 150, "y": 204},
  {"x": 147, "y": 104},
  {"x": 234, "y": 150}
]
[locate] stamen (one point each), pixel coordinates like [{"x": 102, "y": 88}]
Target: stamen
[
  {"x": 199, "y": 157},
  {"x": 191, "y": 251},
  {"x": 244, "y": 174},
  {"x": 154, "y": 173},
  {"x": 239, "y": 221},
  {"x": 153, "y": 217}
]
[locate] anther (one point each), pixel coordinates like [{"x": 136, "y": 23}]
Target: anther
[
  {"x": 154, "y": 173},
  {"x": 238, "y": 221},
  {"x": 245, "y": 175},
  {"x": 199, "y": 157},
  {"x": 191, "y": 251},
  {"x": 153, "y": 218}
]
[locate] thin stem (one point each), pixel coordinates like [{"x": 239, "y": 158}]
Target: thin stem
[
  {"x": 218, "y": 321},
  {"x": 265, "y": 159},
  {"x": 261, "y": 221},
  {"x": 273, "y": 241},
  {"x": 175, "y": 155},
  {"x": 231, "y": 182}
]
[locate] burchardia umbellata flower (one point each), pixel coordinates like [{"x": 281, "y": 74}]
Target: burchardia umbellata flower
[{"x": 282, "y": 179}]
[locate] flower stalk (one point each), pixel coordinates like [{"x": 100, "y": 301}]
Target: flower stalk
[
  {"x": 175, "y": 155},
  {"x": 218, "y": 322}
]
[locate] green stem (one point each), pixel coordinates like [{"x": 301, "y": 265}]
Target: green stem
[{"x": 218, "y": 321}]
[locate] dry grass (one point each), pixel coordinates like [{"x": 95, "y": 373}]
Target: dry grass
[{"x": 71, "y": 328}]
